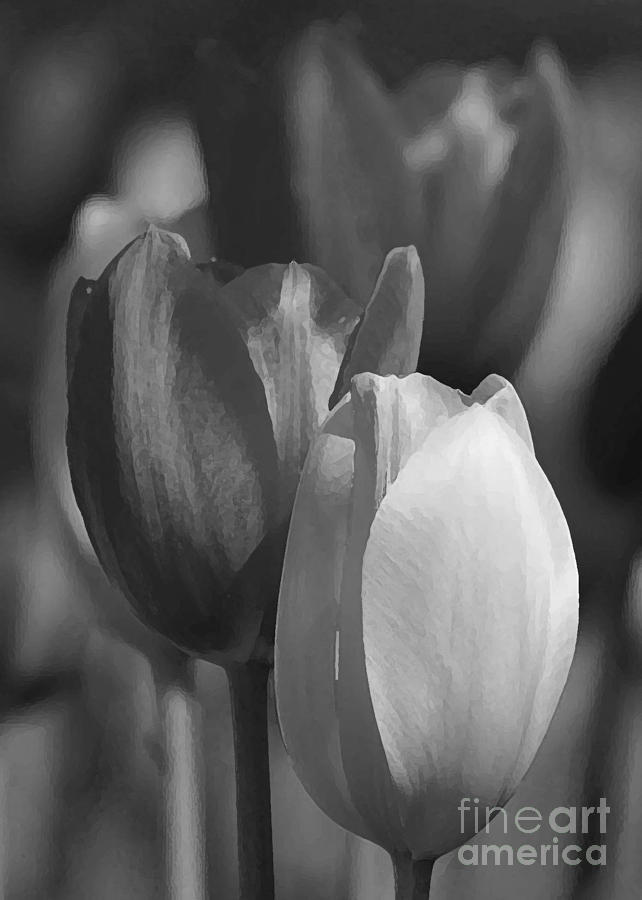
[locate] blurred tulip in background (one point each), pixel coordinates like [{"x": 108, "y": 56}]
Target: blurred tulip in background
[{"x": 468, "y": 165}]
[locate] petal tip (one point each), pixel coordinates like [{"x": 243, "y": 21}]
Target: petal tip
[
  {"x": 156, "y": 237},
  {"x": 408, "y": 253},
  {"x": 370, "y": 383}
]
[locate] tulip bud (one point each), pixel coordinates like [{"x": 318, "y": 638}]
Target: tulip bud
[
  {"x": 428, "y": 610},
  {"x": 191, "y": 407}
]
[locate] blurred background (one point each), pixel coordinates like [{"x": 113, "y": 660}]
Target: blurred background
[{"x": 505, "y": 141}]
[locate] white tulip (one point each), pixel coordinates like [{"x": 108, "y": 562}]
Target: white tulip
[{"x": 428, "y": 610}]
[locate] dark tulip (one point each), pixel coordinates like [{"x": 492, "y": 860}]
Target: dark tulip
[{"x": 191, "y": 408}]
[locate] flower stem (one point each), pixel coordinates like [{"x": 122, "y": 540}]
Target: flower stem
[
  {"x": 182, "y": 783},
  {"x": 412, "y": 876},
  {"x": 248, "y": 692}
]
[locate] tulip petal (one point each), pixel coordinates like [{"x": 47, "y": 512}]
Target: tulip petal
[
  {"x": 387, "y": 339},
  {"x": 357, "y": 198},
  {"x": 391, "y": 419},
  {"x": 428, "y": 94},
  {"x": 458, "y": 193},
  {"x": 307, "y": 623},
  {"x": 469, "y": 621},
  {"x": 394, "y": 416},
  {"x": 362, "y": 751},
  {"x": 170, "y": 444},
  {"x": 499, "y": 396},
  {"x": 527, "y": 223},
  {"x": 296, "y": 323}
]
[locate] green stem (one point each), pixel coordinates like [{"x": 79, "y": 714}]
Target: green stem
[
  {"x": 182, "y": 783},
  {"x": 412, "y": 876},
  {"x": 248, "y": 693}
]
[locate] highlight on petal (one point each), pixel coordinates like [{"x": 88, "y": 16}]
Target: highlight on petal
[
  {"x": 386, "y": 341},
  {"x": 295, "y": 321},
  {"x": 208, "y": 403},
  {"x": 308, "y": 622},
  {"x": 392, "y": 418},
  {"x": 467, "y": 550},
  {"x": 170, "y": 445}
]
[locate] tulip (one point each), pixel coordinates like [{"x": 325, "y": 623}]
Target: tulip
[
  {"x": 469, "y": 166},
  {"x": 191, "y": 407},
  {"x": 428, "y": 610}
]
